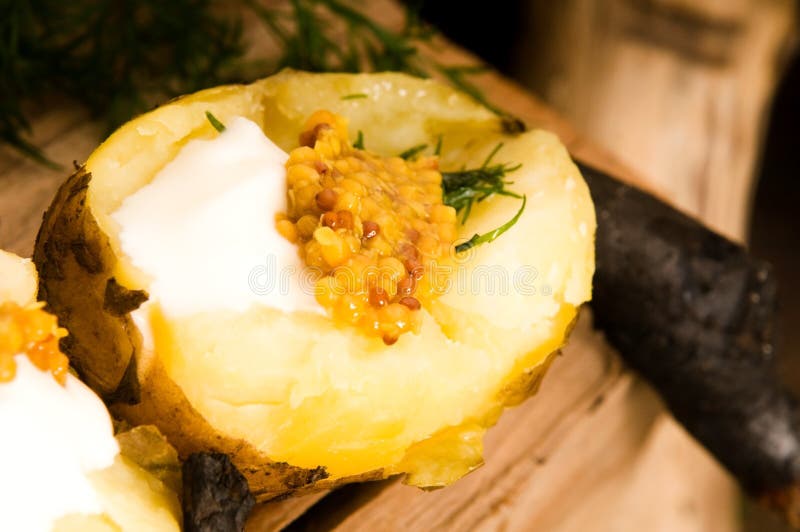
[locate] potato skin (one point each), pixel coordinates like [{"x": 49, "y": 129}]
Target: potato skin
[
  {"x": 190, "y": 433},
  {"x": 74, "y": 261}
]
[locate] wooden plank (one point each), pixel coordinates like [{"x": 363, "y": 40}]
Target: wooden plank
[
  {"x": 278, "y": 515},
  {"x": 678, "y": 88},
  {"x": 49, "y": 120},
  {"x": 28, "y": 187}
]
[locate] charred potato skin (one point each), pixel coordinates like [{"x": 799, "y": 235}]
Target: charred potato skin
[{"x": 218, "y": 506}]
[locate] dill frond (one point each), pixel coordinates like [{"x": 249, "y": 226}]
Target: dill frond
[
  {"x": 462, "y": 189},
  {"x": 118, "y": 58}
]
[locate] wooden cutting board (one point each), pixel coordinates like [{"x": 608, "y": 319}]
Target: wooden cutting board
[{"x": 592, "y": 451}]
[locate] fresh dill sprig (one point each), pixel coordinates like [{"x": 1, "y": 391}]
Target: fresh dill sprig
[
  {"x": 119, "y": 58},
  {"x": 308, "y": 39},
  {"x": 464, "y": 188},
  {"x": 485, "y": 238},
  {"x": 359, "y": 143},
  {"x": 457, "y": 76},
  {"x": 413, "y": 151},
  {"x": 219, "y": 126},
  {"x": 114, "y": 58},
  {"x": 369, "y": 47},
  {"x": 438, "y": 150}
]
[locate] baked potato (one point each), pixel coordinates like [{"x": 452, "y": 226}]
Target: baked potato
[
  {"x": 63, "y": 470},
  {"x": 298, "y": 401}
]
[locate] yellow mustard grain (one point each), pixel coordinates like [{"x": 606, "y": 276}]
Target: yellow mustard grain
[
  {"x": 373, "y": 227},
  {"x": 33, "y": 332},
  {"x": 287, "y": 229}
]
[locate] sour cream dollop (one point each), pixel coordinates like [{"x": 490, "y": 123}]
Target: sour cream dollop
[
  {"x": 53, "y": 436},
  {"x": 204, "y": 228}
]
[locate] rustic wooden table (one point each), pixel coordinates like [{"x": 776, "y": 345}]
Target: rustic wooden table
[{"x": 593, "y": 450}]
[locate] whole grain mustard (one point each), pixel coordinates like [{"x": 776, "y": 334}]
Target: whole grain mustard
[
  {"x": 31, "y": 331},
  {"x": 372, "y": 227}
]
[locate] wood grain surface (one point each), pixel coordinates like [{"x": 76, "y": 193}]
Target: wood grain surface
[
  {"x": 592, "y": 451},
  {"x": 678, "y": 89}
]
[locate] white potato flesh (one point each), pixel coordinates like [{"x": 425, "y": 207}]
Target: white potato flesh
[{"x": 18, "y": 281}]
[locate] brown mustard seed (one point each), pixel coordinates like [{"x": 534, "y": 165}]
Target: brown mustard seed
[
  {"x": 344, "y": 219},
  {"x": 414, "y": 268},
  {"x": 330, "y": 219},
  {"x": 378, "y": 297},
  {"x": 320, "y": 167},
  {"x": 410, "y": 302},
  {"x": 411, "y": 260},
  {"x": 309, "y": 138},
  {"x": 370, "y": 229},
  {"x": 326, "y": 199},
  {"x": 406, "y": 286},
  {"x": 389, "y": 340},
  {"x": 409, "y": 251},
  {"x": 380, "y": 214}
]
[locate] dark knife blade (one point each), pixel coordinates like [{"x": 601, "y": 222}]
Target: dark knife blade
[{"x": 694, "y": 314}]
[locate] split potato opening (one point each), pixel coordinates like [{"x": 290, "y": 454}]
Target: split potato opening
[{"x": 297, "y": 400}]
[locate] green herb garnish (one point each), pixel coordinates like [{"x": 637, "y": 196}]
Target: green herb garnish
[
  {"x": 219, "y": 126},
  {"x": 438, "y": 151},
  {"x": 413, "y": 151},
  {"x": 462, "y": 189},
  {"x": 457, "y": 76},
  {"x": 310, "y": 42},
  {"x": 76, "y": 49},
  {"x": 114, "y": 59},
  {"x": 354, "y": 96},
  {"x": 485, "y": 238},
  {"x": 359, "y": 143}
]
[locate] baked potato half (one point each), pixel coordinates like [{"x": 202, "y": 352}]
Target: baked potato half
[
  {"x": 297, "y": 401},
  {"x": 63, "y": 470}
]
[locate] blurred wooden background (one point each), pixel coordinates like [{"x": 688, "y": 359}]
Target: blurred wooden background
[{"x": 680, "y": 91}]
